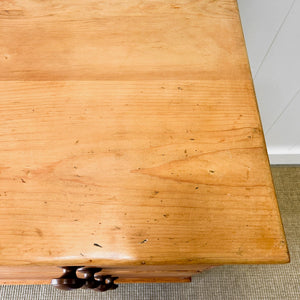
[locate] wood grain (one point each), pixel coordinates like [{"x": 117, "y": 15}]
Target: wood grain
[
  {"x": 92, "y": 40},
  {"x": 130, "y": 135},
  {"x": 154, "y": 280},
  {"x": 44, "y": 274}
]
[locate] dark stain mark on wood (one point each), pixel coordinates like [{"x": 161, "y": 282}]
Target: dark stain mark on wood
[
  {"x": 211, "y": 171},
  {"x": 154, "y": 194},
  {"x": 197, "y": 187},
  {"x": 39, "y": 232},
  {"x": 166, "y": 215},
  {"x": 144, "y": 241},
  {"x": 192, "y": 139},
  {"x": 180, "y": 88},
  {"x": 240, "y": 252},
  {"x": 97, "y": 245},
  {"x": 23, "y": 180},
  {"x": 11, "y": 12}
]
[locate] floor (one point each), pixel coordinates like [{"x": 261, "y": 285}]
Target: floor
[{"x": 227, "y": 282}]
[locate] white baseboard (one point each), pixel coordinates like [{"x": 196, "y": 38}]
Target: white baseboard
[{"x": 284, "y": 159}]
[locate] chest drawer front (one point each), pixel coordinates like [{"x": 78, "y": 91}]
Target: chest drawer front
[{"x": 44, "y": 274}]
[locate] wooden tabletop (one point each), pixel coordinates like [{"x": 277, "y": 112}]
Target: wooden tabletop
[{"x": 130, "y": 135}]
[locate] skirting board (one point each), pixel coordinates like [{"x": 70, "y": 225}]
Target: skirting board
[{"x": 284, "y": 159}]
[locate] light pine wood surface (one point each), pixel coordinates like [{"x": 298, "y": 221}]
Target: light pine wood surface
[{"x": 130, "y": 135}]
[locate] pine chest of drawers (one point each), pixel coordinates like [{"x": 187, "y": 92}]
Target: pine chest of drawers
[{"x": 131, "y": 148}]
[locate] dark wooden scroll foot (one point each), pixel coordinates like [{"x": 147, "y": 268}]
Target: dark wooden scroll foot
[
  {"x": 106, "y": 283},
  {"x": 70, "y": 281}
]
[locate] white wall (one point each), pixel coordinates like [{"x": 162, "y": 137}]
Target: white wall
[{"x": 272, "y": 34}]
